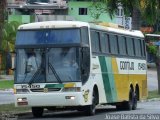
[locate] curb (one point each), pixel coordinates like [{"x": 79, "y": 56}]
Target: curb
[
  {"x": 150, "y": 100},
  {"x": 7, "y": 90},
  {"x": 22, "y": 113}
]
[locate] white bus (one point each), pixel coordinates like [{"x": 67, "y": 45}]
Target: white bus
[{"x": 78, "y": 65}]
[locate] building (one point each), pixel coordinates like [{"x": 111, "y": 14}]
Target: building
[{"x": 26, "y": 11}]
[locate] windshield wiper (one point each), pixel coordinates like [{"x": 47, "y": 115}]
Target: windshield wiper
[
  {"x": 40, "y": 69},
  {"x": 36, "y": 74},
  {"x": 54, "y": 72}
]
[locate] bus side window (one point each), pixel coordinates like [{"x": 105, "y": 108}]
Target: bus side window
[
  {"x": 95, "y": 42},
  {"x": 143, "y": 48},
  {"x": 122, "y": 45},
  {"x": 130, "y": 46},
  {"x": 138, "y": 51},
  {"x": 84, "y": 36},
  {"x": 113, "y": 44},
  {"x": 104, "y": 41}
]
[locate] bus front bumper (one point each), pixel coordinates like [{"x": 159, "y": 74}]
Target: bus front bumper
[{"x": 50, "y": 99}]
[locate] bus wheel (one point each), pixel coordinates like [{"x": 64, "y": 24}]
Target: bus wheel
[
  {"x": 134, "y": 107},
  {"x": 91, "y": 109},
  {"x": 129, "y": 103},
  {"x": 37, "y": 111},
  {"x": 119, "y": 107}
]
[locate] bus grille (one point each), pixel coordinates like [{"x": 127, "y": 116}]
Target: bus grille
[{"x": 42, "y": 90}]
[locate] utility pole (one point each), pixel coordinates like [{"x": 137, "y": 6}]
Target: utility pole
[{"x": 158, "y": 67}]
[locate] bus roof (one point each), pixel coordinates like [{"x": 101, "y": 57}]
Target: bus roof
[
  {"x": 135, "y": 33},
  {"x": 74, "y": 24},
  {"x": 53, "y": 24}
]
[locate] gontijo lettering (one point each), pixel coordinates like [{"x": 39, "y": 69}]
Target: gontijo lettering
[{"x": 126, "y": 65}]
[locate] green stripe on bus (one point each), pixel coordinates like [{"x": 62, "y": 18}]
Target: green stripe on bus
[
  {"x": 111, "y": 78},
  {"x": 54, "y": 85},
  {"x": 108, "y": 79}
]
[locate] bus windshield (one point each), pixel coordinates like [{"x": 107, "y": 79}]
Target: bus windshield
[
  {"x": 48, "y": 36},
  {"x": 42, "y": 65}
]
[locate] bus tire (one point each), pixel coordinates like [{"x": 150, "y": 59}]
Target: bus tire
[
  {"x": 119, "y": 107},
  {"x": 134, "y": 107},
  {"x": 37, "y": 111},
  {"x": 129, "y": 103},
  {"x": 91, "y": 109}
]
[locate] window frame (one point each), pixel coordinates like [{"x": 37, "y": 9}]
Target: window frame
[
  {"x": 115, "y": 48},
  {"x": 83, "y": 11}
]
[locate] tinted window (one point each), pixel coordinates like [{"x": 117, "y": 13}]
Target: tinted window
[
  {"x": 122, "y": 45},
  {"x": 104, "y": 43},
  {"x": 84, "y": 35},
  {"x": 113, "y": 44},
  {"x": 59, "y": 36},
  {"x": 34, "y": 1},
  {"x": 143, "y": 48},
  {"x": 137, "y": 43},
  {"x": 95, "y": 41},
  {"x": 130, "y": 46}
]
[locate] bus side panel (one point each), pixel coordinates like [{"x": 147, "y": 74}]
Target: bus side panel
[
  {"x": 121, "y": 81},
  {"x": 141, "y": 80},
  {"x": 129, "y": 72},
  {"x": 96, "y": 78},
  {"x": 115, "y": 76},
  {"x": 138, "y": 76},
  {"x": 108, "y": 79}
]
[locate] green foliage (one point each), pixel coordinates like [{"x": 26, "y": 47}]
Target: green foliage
[
  {"x": 128, "y": 6},
  {"x": 149, "y": 9},
  {"x": 9, "y": 35},
  {"x": 96, "y": 9},
  {"x": 152, "y": 49},
  {"x": 153, "y": 94},
  {"x": 112, "y": 6}
]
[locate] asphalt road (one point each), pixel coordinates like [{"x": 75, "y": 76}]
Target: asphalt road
[
  {"x": 145, "y": 111},
  {"x": 6, "y": 97},
  {"x": 152, "y": 79}
]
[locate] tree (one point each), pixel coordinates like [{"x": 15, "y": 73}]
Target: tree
[
  {"x": 131, "y": 8},
  {"x": 9, "y": 35},
  {"x": 96, "y": 9},
  {"x": 8, "y": 41},
  {"x": 2, "y": 18},
  {"x": 148, "y": 10}
]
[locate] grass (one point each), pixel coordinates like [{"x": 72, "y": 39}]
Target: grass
[
  {"x": 6, "y": 84},
  {"x": 10, "y": 108},
  {"x": 153, "y": 94}
]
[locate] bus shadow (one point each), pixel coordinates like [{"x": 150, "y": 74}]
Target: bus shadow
[
  {"x": 77, "y": 114},
  {"x": 74, "y": 114}
]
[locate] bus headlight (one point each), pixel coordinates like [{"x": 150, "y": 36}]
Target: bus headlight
[
  {"x": 22, "y": 101},
  {"x": 71, "y": 89}
]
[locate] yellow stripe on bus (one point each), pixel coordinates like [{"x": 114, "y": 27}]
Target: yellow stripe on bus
[{"x": 68, "y": 85}]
